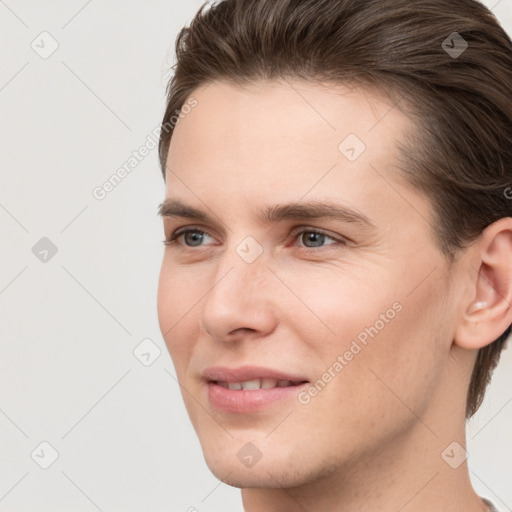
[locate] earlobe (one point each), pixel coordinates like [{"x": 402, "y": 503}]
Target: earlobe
[{"x": 489, "y": 312}]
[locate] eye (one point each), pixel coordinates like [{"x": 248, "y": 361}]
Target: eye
[
  {"x": 314, "y": 237},
  {"x": 314, "y": 242},
  {"x": 191, "y": 235}
]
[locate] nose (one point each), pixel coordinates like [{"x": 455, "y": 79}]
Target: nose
[{"x": 241, "y": 301}]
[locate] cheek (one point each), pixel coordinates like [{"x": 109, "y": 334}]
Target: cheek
[
  {"x": 386, "y": 347},
  {"x": 175, "y": 314}
]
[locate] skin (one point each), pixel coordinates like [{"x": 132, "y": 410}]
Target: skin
[{"x": 372, "y": 438}]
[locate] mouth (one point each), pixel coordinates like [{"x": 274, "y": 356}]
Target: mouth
[
  {"x": 257, "y": 384},
  {"x": 249, "y": 389}
]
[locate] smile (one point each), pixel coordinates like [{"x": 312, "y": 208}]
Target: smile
[{"x": 257, "y": 384}]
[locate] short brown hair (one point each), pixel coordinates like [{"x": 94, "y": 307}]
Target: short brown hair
[{"x": 460, "y": 97}]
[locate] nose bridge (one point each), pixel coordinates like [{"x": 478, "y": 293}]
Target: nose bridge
[
  {"x": 240, "y": 296},
  {"x": 242, "y": 267}
]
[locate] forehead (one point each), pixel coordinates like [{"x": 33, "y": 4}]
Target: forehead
[
  {"x": 283, "y": 141},
  {"x": 293, "y": 111},
  {"x": 285, "y": 121}
]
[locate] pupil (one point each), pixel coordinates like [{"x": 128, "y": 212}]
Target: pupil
[
  {"x": 196, "y": 236},
  {"x": 310, "y": 237}
]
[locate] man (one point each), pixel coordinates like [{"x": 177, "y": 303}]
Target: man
[{"x": 336, "y": 286}]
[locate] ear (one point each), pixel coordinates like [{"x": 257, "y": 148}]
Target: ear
[{"x": 488, "y": 311}]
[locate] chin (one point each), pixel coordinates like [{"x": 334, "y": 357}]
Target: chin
[
  {"x": 275, "y": 477},
  {"x": 275, "y": 470}
]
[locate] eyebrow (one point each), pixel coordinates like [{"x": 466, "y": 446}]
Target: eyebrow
[{"x": 311, "y": 210}]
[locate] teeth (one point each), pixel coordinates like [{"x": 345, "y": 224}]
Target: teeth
[
  {"x": 255, "y": 384},
  {"x": 268, "y": 383},
  {"x": 251, "y": 384}
]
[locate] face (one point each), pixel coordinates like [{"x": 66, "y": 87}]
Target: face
[{"x": 309, "y": 270}]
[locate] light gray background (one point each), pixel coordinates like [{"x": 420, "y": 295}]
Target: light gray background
[{"x": 69, "y": 325}]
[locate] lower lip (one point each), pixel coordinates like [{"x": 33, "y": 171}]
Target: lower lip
[{"x": 249, "y": 400}]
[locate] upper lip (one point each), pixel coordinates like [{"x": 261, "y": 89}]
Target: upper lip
[{"x": 245, "y": 373}]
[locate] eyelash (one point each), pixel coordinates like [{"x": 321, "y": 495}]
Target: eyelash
[{"x": 183, "y": 231}]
